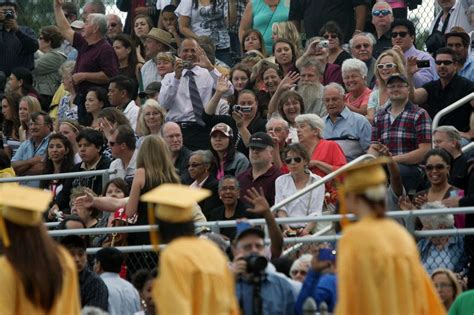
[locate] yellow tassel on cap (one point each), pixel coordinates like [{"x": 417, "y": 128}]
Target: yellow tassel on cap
[{"x": 4, "y": 233}]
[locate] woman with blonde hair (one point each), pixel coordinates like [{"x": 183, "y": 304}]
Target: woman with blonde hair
[
  {"x": 28, "y": 105},
  {"x": 152, "y": 117},
  {"x": 154, "y": 167},
  {"x": 287, "y": 30},
  {"x": 388, "y": 63},
  {"x": 447, "y": 286}
]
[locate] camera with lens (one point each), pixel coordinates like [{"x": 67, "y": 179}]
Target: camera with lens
[
  {"x": 187, "y": 64},
  {"x": 243, "y": 109},
  {"x": 9, "y": 14},
  {"x": 256, "y": 264},
  {"x": 323, "y": 44}
]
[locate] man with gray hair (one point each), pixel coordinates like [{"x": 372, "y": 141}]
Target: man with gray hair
[
  {"x": 449, "y": 139},
  {"x": 441, "y": 251},
  {"x": 309, "y": 85},
  {"x": 350, "y": 130},
  {"x": 96, "y": 60},
  {"x": 279, "y": 130},
  {"x": 362, "y": 48},
  {"x": 114, "y": 25},
  {"x": 92, "y": 6}
]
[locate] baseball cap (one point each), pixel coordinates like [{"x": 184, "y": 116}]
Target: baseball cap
[
  {"x": 77, "y": 24},
  {"x": 245, "y": 228},
  {"x": 224, "y": 128},
  {"x": 260, "y": 140},
  {"x": 151, "y": 88},
  {"x": 397, "y": 76}
]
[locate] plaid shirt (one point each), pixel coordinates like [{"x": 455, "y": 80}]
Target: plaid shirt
[
  {"x": 240, "y": 7},
  {"x": 410, "y": 128}
]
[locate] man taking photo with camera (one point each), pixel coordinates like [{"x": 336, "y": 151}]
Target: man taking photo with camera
[
  {"x": 260, "y": 289},
  {"x": 18, "y": 43}
]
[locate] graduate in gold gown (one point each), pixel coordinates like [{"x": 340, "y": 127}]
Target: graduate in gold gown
[
  {"x": 193, "y": 273},
  {"x": 378, "y": 265},
  {"x": 37, "y": 276}
]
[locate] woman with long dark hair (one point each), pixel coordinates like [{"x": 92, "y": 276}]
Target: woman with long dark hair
[
  {"x": 38, "y": 276},
  {"x": 21, "y": 81},
  {"x": 285, "y": 55},
  {"x": 127, "y": 56},
  {"x": 59, "y": 159},
  {"x": 11, "y": 122}
]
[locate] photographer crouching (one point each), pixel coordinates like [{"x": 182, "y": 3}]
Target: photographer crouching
[{"x": 260, "y": 289}]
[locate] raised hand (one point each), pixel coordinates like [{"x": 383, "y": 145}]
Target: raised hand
[
  {"x": 222, "y": 85},
  {"x": 412, "y": 68},
  {"x": 239, "y": 118},
  {"x": 257, "y": 200},
  {"x": 178, "y": 68},
  {"x": 203, "y": 61},
  {"x": 289, "y": 81}
]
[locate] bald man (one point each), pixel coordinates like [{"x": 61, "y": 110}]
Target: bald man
[
  {"x": 179, "y": 153},
  {"x": 382, "y": 18}
]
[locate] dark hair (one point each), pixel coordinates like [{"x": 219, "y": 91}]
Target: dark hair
[
  {"x": 12, "y": 125},
  {"x": 169, "y": 8},
  {"x": 441, "y": 153},
  {"x": 334, "y": 28},
  {"x": 92, "y": 136},
  {"x": 101, "y": 95},
  {"x": 67, "y": 163},
  {"x": 35, "y": 258},
  {"x": 260, "y": 37},
  {"x": 232, "y": 177},
  {"x": 52, "y": 34},
  {"x": 110, "y": 259},
  {"x": 229, "y": 155},
  {"x": 125, "y": 134},
  {"x": 74, "y": 241},
  {"x": 141, "y": 277},
  {"x": 298, "y": 149},
  {"x": 293, "y": 52},
  {"x": 170, "y": 231},
  {"x": 127, "y": 42},
  {"x": 70, "y": 217},
  {"x": 406, "y": 23},
  {"x": 4, "y": 160},
  {"x": 232, "y": 100},
  {"x": 115, "y": 116},
  {"x": 22, "y": 73},
  {"x": 285, "y": 97},
  {"x": 446, "y": 51},
  {"x": 124, "y": 83},
  {"x": 47, "y": 119},
  {"x": 69, "y": 8},
  {"x": 137, "y": 40},
  {"x": 120, "y": 184}
]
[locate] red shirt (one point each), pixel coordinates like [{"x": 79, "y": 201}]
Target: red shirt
[{"x": 328, "y": 152}]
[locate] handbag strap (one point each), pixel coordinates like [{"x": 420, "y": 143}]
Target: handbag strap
[{"x": 445, "y": 23}]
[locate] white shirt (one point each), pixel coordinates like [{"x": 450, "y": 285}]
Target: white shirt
[
  {"x": 123, "y": 172},
  {"x": 160, "y": 4},
  {"x": 310, "y": 203},
  {"x": 149, "y": 73},
  {"x": 174, "y": 94},
  {"x": 123, "y": 297},
  {"x": 131, "y": 112}
]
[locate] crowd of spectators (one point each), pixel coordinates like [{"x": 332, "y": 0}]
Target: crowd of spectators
[{"x": 242, "y": 98}]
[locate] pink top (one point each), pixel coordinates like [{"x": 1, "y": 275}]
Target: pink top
[
  {"x": 363, "y": 99},
  {"x": 397, "y": 4}
]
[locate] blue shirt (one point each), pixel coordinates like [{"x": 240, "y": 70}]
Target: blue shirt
[
  {"x": 349, "y": 125},
  {"x": 277, "y": 295},
  {"x": 451, "y": 256},
  {"x": 467, "y": 70},
  {"x": 123, "y": 297},
  {"x": 322, "y": 288},
  {"x": 424, "y": 75}
]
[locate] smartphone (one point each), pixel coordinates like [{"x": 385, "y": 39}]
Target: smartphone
[{"x": 423, "y": 63}]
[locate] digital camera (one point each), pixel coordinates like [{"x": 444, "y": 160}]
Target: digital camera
[
  {"x": 9, "y": 14},
  {"x": 256, "y": 264},
  {"x": 243, "y": 109}
]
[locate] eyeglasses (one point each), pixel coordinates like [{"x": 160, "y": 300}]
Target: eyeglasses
[
  {"x": 443, "y": 285},
  {"x": 296, "y": 159},
  {"x": 386, "y": 66},
  {"x": 438, "y": 167},
  {"x": 401, "y": 34},
  {"x": 194, "y": 165},
  {"x": 383, "y": 12},
  {"x": 275, "y": 129},
  {"x": 228, "y": 188},
  {"x": 295, "y": 272},
  {"x": 362, "y": 45},
  {"x": 444, "y": 62},
  {"x": 332, "y": 36}
]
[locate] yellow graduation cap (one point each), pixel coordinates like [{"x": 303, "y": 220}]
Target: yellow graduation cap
[
  {"x": 360, "y": 177},
  {"x": 21, "y": 205},
  {"x": 172, "y": 203}
]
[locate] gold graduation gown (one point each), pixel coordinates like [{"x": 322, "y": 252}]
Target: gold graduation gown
[
  {"x": 194, "y": 278},
  {"x": 379, "y": 272},
  {"x": 13, "y": 300}
]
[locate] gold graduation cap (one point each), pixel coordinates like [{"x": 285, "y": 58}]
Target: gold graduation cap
[
  {"x": 21, "y": 205},
  {"x": 172, "y": 203},
  {"x": 360, "y": 177}
]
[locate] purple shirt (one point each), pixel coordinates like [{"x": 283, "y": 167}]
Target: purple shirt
[
  {"x": 332, "y": 73},
  {"x": 424, "y": 75},
  {"x": 266, "y": 181},
  {"x": 94, "y": 58}
]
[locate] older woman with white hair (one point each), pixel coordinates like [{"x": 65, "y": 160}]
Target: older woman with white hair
[
  {"x": 300, "y": 267},
  {"x": 152, "y": 117},
  {"x": 354, "y": 74},
  {"x": 325, "y": 156}
]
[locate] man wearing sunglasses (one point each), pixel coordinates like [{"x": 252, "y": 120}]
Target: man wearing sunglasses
[
  {"x": 114, "y": 25},
  {"x": 382, "y": 18},
  {"x": 438, "y": 94},
  {"x": 403, "y": 38}
]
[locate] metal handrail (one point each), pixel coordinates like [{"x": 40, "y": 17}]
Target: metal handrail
[
  {"x": 104, "y": 173},
  {"x": 468, "y": 147},
  {"x": 322, "y": 181},
  {"x": 290, "y": 250},
  {"x": 449, "y": 109}
]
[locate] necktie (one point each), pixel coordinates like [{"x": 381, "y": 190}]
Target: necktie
[{"x": 198, "y": 108}]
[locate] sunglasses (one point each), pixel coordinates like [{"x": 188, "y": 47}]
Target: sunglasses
[
  {"x": 295, "y": 272},
  {"x": 295, "y": 159},
  {"x": 438, "y": 167},
  {"x": 386, "y": 66},
  {"x": 401, "y": 34},
  {"x": 444, "y": 62},
  {"x": 276, "y": 129},
  {"x": 362, "y": 45},
  {"x": 332, "y": 36},
  {"x": 384, "y": 12}
]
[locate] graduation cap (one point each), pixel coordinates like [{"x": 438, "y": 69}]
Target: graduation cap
[
  {"x": 21, "y": 205},
  {"x": 359, "y": 179},
  {"x": 172, "y": 203}
]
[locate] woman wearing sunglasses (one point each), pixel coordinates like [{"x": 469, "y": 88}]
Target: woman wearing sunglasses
[
  {"x": 388, "y": 63},
  {"x": 310, "y": 204},
  {"x": 333, "y": 34}
]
